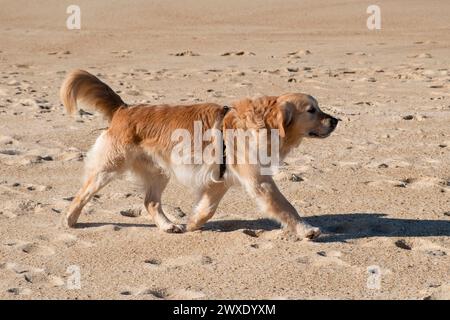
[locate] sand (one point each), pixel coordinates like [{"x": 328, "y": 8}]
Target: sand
[{"x": 379, "y": 187}]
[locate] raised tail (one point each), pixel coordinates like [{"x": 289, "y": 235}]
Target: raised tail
[{"x": 81, "y": 87}]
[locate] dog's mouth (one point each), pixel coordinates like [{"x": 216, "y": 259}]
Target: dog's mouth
[{"x": 313, "y": 134}]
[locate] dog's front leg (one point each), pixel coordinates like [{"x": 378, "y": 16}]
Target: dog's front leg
[{"x": 272, "y": 201}]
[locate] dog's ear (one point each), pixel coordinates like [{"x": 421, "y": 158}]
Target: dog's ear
[{"x": 285, "y": 114}]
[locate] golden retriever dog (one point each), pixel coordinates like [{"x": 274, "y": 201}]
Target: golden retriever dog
[{"x": 140, "y": 139}]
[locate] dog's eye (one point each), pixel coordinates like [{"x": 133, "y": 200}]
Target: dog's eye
[{"x": 311, "y": 110}]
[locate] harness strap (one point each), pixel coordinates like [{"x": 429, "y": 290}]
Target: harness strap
[{"x": 223, "y": 164}]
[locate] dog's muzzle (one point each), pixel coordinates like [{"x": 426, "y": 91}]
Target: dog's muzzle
[{"x": 328, "y": 126}]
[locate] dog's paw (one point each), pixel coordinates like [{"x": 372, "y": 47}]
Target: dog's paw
[
  {"x": 307, "y": 232},
  {"x": 174, "y": 228},
  {"x": 68, "y": 222},
  {"x": 191, "y": 227}
]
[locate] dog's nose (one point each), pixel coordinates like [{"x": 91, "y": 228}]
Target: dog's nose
[{"x": 333, "y": 122}]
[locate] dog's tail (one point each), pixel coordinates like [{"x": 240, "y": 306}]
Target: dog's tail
[{"x": 81, "y": 87}]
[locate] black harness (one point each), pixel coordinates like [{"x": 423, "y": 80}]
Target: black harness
[{"x": 223, "y": 164}]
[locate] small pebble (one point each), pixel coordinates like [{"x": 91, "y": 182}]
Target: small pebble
[
  {"x": 45, "y": 158},
  {"x": 296, "y": 178},
  {"x": 153, "y": 262},
  {"x": 206, "y": 260},
  {"x": 133, "y": 213},
  {"x": 179, "y": 213},
  {"x": 402, "y": 244}
]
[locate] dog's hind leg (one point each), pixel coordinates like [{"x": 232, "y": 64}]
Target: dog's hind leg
[
  {"x": 155, "y": 186},
  {"x": 93, "y": 184},
  {"x": 207, "y": 202},
  {"x": 103, "y": 164},
  {"x": 154, "y": 182}
]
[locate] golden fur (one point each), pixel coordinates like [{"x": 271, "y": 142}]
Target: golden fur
[
  {"x": 82, "y": 87},
  {"x": 139, "y": 140}
]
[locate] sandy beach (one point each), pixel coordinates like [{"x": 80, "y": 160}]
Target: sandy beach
[{"x": 378, "y": 187}]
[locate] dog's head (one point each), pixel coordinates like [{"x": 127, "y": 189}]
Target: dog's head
[
  {"x": 299, "y": 116},
  {"x": 295, "y": 115}
]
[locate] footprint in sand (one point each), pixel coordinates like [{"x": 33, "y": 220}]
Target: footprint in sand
[
  {"x": 323, "y": 258},
  {"x": 383, "y": 183},
  {"x": 421, "y": 245},
  {"x": 71, "y": 154},
  {"x": 237, "y": 53},
  {"x": 165, "y": 294},
  {"x": 19, "y": 291},
  {"x": 298, "y": 54},
  {"x": 14, "y": 157},
  {"x": 11, "y": 157},
  {"x": 181, "y": 294},
  {"x": 10, "y": 152},
  {"x": 185, "y": 53},
  {"x": 35, "y": 187},
  {"x": 426, "y": 182},
  {"x": 7, "y": 141},
  {"x": 423, "y": 183},
  {"x": 155, "y": 293},
  {"x": 262, "y": 245},
  {"x": 430, "y": 248},
  {"x": 31, "y": 248},
  {"x": 104, "y": 228},
  {"x": 36, "y": 249},
  {"x": 442, "y": 292},
  {"x": 7, "y": 213},
  {"x": 157, "y": 264},
  {"x": 18, "y": 208},
  {"x": 34, "y": 275},
  {"x": 68, "y": 239},
  {"x": 56, "y": 281},
  {"x": 388, "y": 163},
  {"x": 19, "y": 268},
  {"x": 264, "y": 242},
  {"x": 413, "y": 183},
  {"x": 188, "y": 260},
  {"x": 253, "y": 233},
  {"x": 424, "y": 55},
  {"x": 329, "y": 257}
]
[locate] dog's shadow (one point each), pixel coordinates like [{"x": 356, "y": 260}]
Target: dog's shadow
[
  {"x": 87, "y": 225},
  {"x": 335, "y": 227},
  {"x": 347, "y": 226}
]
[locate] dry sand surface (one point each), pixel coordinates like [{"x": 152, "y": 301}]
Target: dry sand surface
[{"x": 379, "y": 187}]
